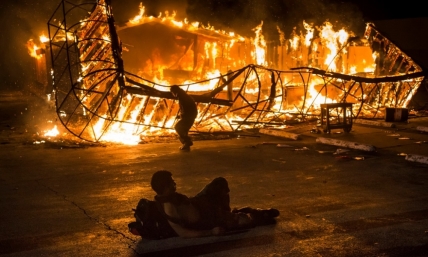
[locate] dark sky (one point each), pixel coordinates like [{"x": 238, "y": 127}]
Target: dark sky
[
  {"x": 383, "y": 10},
  {"x": 25, "y": 19}
]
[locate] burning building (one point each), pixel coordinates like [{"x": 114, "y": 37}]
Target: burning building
[{"x": 111, "y": 83}]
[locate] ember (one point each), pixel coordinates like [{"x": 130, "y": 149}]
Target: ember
[{"x": 112, "y": 83}]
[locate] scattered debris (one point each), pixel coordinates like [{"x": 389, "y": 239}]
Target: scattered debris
[
  {"x": 347, "y": 157},
  {"x": 270, "y": 143},
  {"x": 393, "y": 135},
  {"x": 343, "y": 157},
  {"x": 315, "y": 130},
  {"x": 280, "y": 133},
  {"x": 340, "y": 151},
  {"x": 375, "y": 123},
  {"x": 421, "y": 128},
  {"x": 403, "y": 138},
  {"x": 326, "y": 151},
  {"x": 301, "y": 149},
  {"x": 283, "y": 145},
  {"x": 280, "y": 161},
  {"x": 402, "y": 154},
  {"x": 417, "y": 158},
  {"x": 240, "y": 136},
  {"x": 348, "y": 144}
]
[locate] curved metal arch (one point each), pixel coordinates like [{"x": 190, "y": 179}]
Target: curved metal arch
[{"x": 115, "y": 98}]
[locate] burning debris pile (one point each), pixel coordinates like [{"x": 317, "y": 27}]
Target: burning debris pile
[{"x": 112, "y": 83}]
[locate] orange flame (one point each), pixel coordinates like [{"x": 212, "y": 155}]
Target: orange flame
[
  {"x": 126, "y": 133},
  {"x": 52, "y": 133},
  {"x": 333, "y": 41},
  {"x": 34, "y": 50},
  {"x": 260, "y": 45}
]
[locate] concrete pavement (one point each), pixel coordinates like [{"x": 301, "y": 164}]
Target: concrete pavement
[
  {"x": 404, "y": 138},
  {"x": 60, "y": 198}
]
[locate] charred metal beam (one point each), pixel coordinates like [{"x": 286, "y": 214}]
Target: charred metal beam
[
  {"x": 148, "y": 91},
  {"x": 362, "y": 79}
]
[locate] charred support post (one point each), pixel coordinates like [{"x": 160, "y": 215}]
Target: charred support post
[
  {"x": 229, "y": 87},
  {"x": 272, "y": 94},
  {"x": 116, "y": 48}
]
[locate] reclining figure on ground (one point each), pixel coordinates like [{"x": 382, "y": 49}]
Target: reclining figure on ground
[{"x": 208, "y": 213}]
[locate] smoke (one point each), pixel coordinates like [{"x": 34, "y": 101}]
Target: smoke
[
  {"x": 22, "y": 20},
  {"x": 27, "y": 19},
  {"x": 339, "y": 13},
  {"x": 243, "y": 15},
  {"x": 124, "y": 10}
]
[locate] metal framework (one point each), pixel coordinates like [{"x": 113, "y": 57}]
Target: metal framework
[{"x": 94, "y": 93}]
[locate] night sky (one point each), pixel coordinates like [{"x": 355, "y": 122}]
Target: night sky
[{"x": 25, "y": 19}]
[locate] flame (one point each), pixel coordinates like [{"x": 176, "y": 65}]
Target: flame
[
  {"x": 309, "y": 33},
  {"x": 333, "y": 41},
  {"x": 137, "y": 19},
  {"x": 179, "y": 24},
  {"x": 259, "y": 45},
  {"x": 43, "y": 39},
  {"x": 326, "y": 49},
  {"x": 34, "y": 50},
  {"x": 127, "y": 133},
  {"x": 195, "y": 24},
  {"x": 168, "y": 18},
  {"x": 294, "y": 42},
  {"x": 281, "y": 35},
  {"x": 52, "y": 133}
]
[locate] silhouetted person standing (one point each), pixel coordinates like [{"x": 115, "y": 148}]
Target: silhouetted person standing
[{"x": 187, "y": 116}]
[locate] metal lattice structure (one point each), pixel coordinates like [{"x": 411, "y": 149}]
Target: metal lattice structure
[{"x": 96, "y": 95}]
